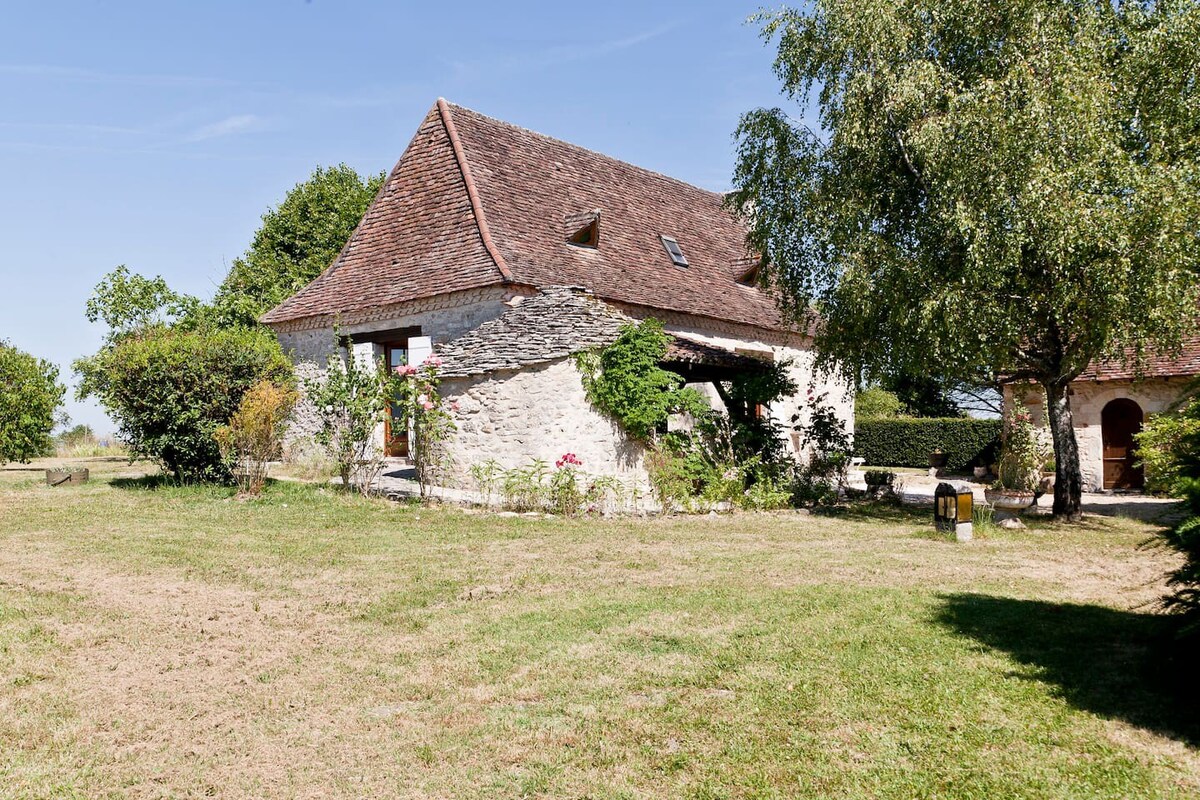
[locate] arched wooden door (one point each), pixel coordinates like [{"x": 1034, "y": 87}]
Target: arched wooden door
[{"x": 1119, "y": 421}]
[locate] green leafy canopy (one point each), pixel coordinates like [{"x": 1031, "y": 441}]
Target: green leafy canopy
[
  {"x": 297, "y": 241},
  {"x": 30, "y": 396},
  {"x": 169, "y": 390},
  {"x": 997, "y": 187}
]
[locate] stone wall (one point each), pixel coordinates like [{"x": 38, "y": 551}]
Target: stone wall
[
  {"x": 537, "y": 412},
  {"x": 540, "y": 410},
  {"x": 1088, "y": 399},
  {"x": 447, "y": 319},
  {"x": 443, "y": 318}
]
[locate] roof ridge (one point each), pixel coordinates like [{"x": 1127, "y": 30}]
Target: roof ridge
[
  {"x": 337, "y": 260},
  {"x": 589, "y": 150},
  {"x": 472, "y": 192}
]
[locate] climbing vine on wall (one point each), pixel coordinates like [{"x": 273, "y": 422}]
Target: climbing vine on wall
[{"x": 625, "y": 381}]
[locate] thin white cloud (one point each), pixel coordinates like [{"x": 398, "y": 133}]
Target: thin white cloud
[
  {"x": 69, "y": 127},
  {"x": 83, "y": 75},
  {"x": 558, "y": 54},
  {"x": 241, "y": 123}
]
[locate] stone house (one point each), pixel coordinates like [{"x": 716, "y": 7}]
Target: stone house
[
  {"x": 1110, "y": 402},
  {"x": 507, "y": 251}
]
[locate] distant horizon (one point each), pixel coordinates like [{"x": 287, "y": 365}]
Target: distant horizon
[{"x": 157, "y": 137}]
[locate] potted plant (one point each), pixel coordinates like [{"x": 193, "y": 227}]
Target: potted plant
[
  {"x": 1021, "y": 458},
  {"x": 937, "y": 460}
]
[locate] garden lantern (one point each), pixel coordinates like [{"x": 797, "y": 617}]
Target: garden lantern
[{"x": 953, "y": 506}]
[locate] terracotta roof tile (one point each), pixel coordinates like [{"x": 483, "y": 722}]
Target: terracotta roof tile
[
  {"x": 475, "y": 201},
  {"x": 419, "y": 238},
  {"x": 1185, "y": 364}
]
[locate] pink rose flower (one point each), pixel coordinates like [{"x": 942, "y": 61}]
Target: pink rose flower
[{"x": 428, "y": 406}]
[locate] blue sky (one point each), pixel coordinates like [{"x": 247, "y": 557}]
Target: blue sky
[{"x": 155, "y": 134}]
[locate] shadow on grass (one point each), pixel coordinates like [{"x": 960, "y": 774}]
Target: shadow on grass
[
  {"x": 884, "y": 510},
  {"x": 1117, "y": 664},
  {"x": 146, "y": 483}
]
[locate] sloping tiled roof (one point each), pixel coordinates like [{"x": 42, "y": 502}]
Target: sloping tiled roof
[
  {"x": 553, "y": 324},
  {"x": 1186, "y": 364},
  {"x": 475, "y": 201},
  {"x": 558, "y": 322}
]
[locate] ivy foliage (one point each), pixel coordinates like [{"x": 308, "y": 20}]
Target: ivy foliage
[
  {"x": 626, "y": 381},
  {"x": 30, "y": 395}
]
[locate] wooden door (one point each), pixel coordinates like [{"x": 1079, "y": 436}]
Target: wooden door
[
  {"x": 1120, "y": 420},
  {"x": 395, "y": 433}
]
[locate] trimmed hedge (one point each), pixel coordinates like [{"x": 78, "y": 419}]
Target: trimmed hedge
[{"x": 908, "y": 441}]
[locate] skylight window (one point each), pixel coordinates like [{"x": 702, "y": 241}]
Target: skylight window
[{"x": 673, "y": 250}]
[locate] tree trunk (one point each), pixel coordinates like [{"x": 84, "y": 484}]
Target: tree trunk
[{"x": 1068, "y": 476}]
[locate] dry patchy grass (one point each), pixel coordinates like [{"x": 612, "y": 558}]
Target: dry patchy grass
[{"x": 158, "y": 641}]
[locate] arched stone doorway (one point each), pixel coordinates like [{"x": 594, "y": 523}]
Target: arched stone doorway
[{"x": 1119, "y": 421}]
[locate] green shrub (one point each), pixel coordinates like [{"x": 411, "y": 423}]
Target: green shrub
[
  {"x": 908, "y": 441},
  {"x": 169, "y": 390},
  {"x": 875, "y": 402},
  {"x": 351, "y": 398},
  {"x": 879, "y": 477},
  {"x": 1170, "y": 448},
  {"x": 30, "y": 395},
  {"x": 525, "y": 488}
]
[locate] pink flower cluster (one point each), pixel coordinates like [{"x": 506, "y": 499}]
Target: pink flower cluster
[
  {"x": 433, "y": 361},
  {"x": 568, "y": 460},
  {"x": 404, "y": 370}
]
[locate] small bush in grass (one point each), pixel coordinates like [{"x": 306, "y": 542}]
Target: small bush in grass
[
  {"x": 169, "y": 390},
  {"x": 673, "y": 476},
  {"x": 254, "y": 435},
  {"x": 417, "y": 404},
  {"x": 351, "y": 400},
  {"x": 566, "y": 496},
  {"x": 524, "y": 488},
  {"x": 487, "y": 476}
]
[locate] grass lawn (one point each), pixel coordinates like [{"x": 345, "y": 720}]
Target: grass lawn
[{"x": 168, "y": 642}]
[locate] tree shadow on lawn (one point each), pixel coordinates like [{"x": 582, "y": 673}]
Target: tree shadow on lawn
[
  {"x": 1117, "y": 664},
  {"x": 882, "y": 510}
]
